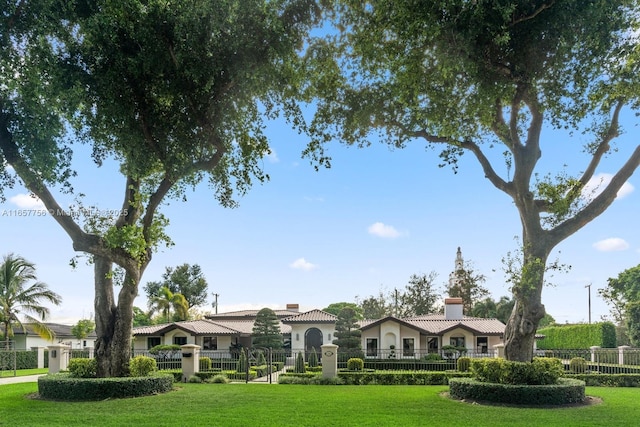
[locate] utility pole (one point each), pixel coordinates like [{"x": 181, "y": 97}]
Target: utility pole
[
  {"x": 215, "y": 302},
  {"x": 589, "y": 286}
]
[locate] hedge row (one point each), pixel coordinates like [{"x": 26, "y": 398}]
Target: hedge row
[
  {"x": 608, "y": 380},
  {"x": 61, "y": 386},
  {"x": 578, "y": 336},
  {"x": 25, "y": 359},
  {"x": 567, "y": 390},
  {"x": 399, "y": 378}
]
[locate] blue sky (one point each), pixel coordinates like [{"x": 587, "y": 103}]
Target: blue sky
[{"x": 368, "y": 223}]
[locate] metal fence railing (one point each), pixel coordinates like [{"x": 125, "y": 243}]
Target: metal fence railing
[{"x": 621, "y": 360}]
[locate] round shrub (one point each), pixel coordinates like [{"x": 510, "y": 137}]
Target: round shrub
[
  {"x": 142, "y": 366},
  {"x": 578, "y": 365},
  {"x": 355, "y": 364},
  {"x": 195, "y": 379},
  {"x": 566, "y": 391},
  {"x": 219, "y": 379},
  {"x": 463, "y": 364},
  {"x": 83, "y": 368},
  {"x": 62, "y": 386}
]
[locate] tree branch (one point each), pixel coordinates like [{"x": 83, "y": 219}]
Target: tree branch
[
  {"x": 533, "y": 15},
  {"x": 598, "y": 205}
]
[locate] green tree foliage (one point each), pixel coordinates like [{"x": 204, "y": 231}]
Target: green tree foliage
[
  {"x": 375, "y": 307},
  {"x": 83, "y": 328},
  {"x": 491, "y": 309},
  {"x": 176, "y": 93},
  {"x": 184, "y": 279},
  {"x": 166, "y": 301},
  {"x": 300, "y": 367},
  {"x": 140, "y": 317},
  {"x": 241, "y": 364},
  {"x": 580, "y": 336},
  {"x": 620, "y": 291},
  {"x": 21, "y": 297},
  {"x": 266, "y": 330},
  {"x": 485, "y": 78},
  {"x": 313, "y": 358},
  {"x": 347, "y": 335},
  {"x": 633, "y": 322},
  {"x": 419, "y": 296},
  {"x": 335, "y": 308},
  {"x": 468, "y": 286}
]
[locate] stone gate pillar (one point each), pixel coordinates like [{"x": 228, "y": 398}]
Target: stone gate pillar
[
  {"x": 58, "y": 358},
  {"x": 190, "y": 360},
  {"x": 329, "y": 360}
]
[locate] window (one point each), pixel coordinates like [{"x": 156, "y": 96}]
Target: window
[
  {"x": 372, "y": 347},
  {"x": 180, "y": 340},
  {"x": 407, "y": 347},
  {"x": 152, "y": 342},
  {"x": 209, "y": 343},
  {"x": 457, "y": 341},
  {"x": 482, "y": 344},
  {"x": 432, "y": 345}
]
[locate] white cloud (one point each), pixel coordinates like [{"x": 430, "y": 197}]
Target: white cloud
[
  {"x": 272, "y": 156},
  {"x": 599, "y": 182},
  {"x": 27, "y": 201},
  {"x": 302, "y": 264},
  {"x": 611, "y": 244},
  {"x": 381, "y": 230}
]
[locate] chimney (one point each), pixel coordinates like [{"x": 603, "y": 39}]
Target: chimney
[
  {"x": 293, "y": 307},
  {"x": 453, "y": 309}
]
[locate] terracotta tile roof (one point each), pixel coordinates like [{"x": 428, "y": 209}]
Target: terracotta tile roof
[
  {"x": 436, "y": 324},
  {"x": 58, "y": 329},
  {"x": 205, "y": 327},
  {"x": 251, "y": 314},
  {"x": 313, "y": 316}
]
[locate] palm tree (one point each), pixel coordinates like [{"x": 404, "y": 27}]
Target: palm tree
[
  {"x": 18, "y": 297},
  {"x": 166, "y": 300}
]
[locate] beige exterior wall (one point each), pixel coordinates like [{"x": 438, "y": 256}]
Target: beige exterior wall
[
  {"x": 23, "y": 342},
  {"x": 298, "y": 332}
]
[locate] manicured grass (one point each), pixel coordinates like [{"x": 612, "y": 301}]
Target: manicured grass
[
  {"x": 23, "y": 372},
  {"x": 301, "y": 405}
]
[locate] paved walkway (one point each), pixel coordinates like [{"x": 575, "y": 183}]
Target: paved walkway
[{"x": 23, "y": 379}]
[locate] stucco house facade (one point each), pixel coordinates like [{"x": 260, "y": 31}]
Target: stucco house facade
[
  {"x": 409, "y": 337},
  {"x": 27, "y": 339}
]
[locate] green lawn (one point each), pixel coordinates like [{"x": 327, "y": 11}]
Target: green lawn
[
  {"x": 302, "y": 405},
  {"x": 23, "y": 372}
]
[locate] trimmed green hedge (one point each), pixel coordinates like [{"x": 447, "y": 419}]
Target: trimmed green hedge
[
  {"x": 566, "y": 391},
  {"x": 578, "y": 336},
  {"x": 61, "y": 386},
  {"x": 608, "y": 380},
  {"x": 25, "y": 359},
  {"x": 399, "y": 378}
]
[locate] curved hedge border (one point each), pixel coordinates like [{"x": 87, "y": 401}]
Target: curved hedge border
[
  {"x": 566, "y": 391},
  {"x": 63, "y": 387}
]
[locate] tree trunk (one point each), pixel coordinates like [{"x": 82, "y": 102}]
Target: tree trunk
[
  {"x": 114, "y": 323},
  {"x": 519, "y": 335}
]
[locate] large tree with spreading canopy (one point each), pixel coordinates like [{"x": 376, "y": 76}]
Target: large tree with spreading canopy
[
  {"x": 175, "y": 92},
  {"x": 485, "y": 78}
]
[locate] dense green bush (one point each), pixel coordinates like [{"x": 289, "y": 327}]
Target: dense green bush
[
  {"x": 24, "y": 359},
  {"x": 313, "y": 358},
  {"x": 399, "y": 378},
  {"x": 463, "y": 364},
  {"x": 578, "y": 336},
  {"x": 542, "y": 370},
  {"x": 608, "y": 380},
  {"x": 566, "y": 391},
  {"x": 219, "y": 379},
  {"x": 205, "y": 363},
  {"x": 261, "y": 359},
  {"x": 82, "y": 368},
  {"x": 314, "y": 380},
  {"x": 62, "y": 386},
  {"x": 161, "y": 348},
  {"x": 299, "y": 366},
  {"x": 241, "y": 365},
  {"x": 578, "y": 365},
  {"x": 432, "y": 356},
  {"x": 355, "y": 364},
  {"x": 142, "y": 366}
]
